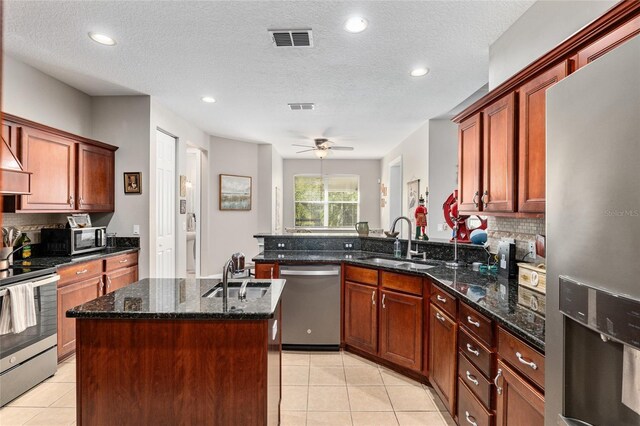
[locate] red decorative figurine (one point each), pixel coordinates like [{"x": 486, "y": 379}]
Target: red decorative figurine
[{"x": 421, "y": 220}]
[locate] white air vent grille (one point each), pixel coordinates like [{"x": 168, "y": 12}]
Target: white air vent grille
[
  {"x": 291, "y": 38},
  {"x": 301, "y": 106}
]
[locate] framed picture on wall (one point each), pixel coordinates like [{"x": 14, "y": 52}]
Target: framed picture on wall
[
  {"x": 235, "y": 192},
  {"x": 133, "y": 183}
]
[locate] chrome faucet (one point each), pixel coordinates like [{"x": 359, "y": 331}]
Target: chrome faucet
[
  {"x": 228, "y": 267},
  {"x": 393, "y": 229}
]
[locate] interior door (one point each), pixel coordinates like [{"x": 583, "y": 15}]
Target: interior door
[{"x": 165, "y": 205}]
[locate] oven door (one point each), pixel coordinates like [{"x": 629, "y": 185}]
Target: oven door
[{"x": 16, "y": 348}]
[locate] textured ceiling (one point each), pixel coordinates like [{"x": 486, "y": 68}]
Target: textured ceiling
[{"x": 360, "y": 83}]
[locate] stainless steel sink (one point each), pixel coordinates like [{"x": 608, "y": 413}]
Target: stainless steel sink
[
  {"x": 400, "y": 263},
  {"x": 255, "y": 290}
]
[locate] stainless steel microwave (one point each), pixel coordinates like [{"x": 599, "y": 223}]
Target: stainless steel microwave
[{"x": 70, "y": 241}]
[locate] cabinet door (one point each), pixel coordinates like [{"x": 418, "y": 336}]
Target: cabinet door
[
  {"x": 608, "y": 42},
  {"x": 532, "y": 139},
  {"x": 121, "y": 278},
  {"x": 70, "y": 296},
  {"x": 266, "y": 271},
  {"x": 442, "y": 356},
  {"x": 95, "y": 179},
  {"x": 518, "y": 402},
  {"x": 498, "y": 183},
  {"x": 401, "y": 329},
  {"x": 52, "y": 160},
  {"x": 361, "y": 316},
  {"x": 469, "y": 164},
  {"x": 10, "y": 135}
]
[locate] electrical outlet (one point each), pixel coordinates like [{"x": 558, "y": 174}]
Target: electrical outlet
[
  {"x": 532, "y": 248},
  {"x": 348, "y": 246}
]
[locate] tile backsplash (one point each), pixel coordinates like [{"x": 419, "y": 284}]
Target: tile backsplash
[
  {"x": 33, "y": 223},
  {"x": 522, "y": 230}
]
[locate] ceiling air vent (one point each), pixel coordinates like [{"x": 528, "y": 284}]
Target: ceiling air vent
[
  {"x": 291, "y": 38},
  {"x": 301, "y": 106}
]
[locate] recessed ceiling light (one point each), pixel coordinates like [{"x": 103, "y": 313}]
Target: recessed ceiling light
[
  {"x": 419, "y": 72},
  {"x": 356, "y": 24},
  {"x": 102, "y": 39},
  {"x": 208, "y": 99}
]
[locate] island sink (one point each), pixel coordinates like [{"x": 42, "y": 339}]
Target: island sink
[{"x": 253, "y": 290}]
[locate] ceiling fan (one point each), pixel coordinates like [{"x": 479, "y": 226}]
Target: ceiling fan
[{"x": 322, "y": 147}]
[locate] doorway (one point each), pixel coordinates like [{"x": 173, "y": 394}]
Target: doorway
[
  {"x": 395, "y": 192},
  {"x": 165, "y": 174},
  {"x": 194, "y": 191}
]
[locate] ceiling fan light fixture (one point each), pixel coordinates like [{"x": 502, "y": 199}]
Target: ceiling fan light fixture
[{"x": 322, "y": 153}]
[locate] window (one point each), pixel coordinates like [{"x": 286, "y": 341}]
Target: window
[{"x": 330, "y": 201}]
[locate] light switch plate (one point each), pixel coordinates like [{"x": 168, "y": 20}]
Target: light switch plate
[{"x": 136, "y": 229}]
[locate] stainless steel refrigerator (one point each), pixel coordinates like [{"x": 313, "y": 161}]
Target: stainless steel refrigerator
[{"x": 593, "y": 241}]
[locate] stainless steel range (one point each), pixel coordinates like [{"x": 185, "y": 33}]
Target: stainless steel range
[{"x": 29, "y": 357}]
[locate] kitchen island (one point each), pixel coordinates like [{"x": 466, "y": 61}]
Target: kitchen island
[{"x": 171, "y": 351}]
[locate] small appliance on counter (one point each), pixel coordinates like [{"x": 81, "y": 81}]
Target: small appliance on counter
[
  {"x": 507, "y": 259},
  {"x": 72, "y": 241}
]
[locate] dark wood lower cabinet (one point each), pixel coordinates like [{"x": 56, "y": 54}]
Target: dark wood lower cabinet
[
  {"x": 443, "y": 333},
  {"x": 266, "y": 271},
  {"x": 121, "y": 278},
  {"x": 518, "y": 402},
  {"x": 70, "y": 296},
  {"x": 401, "y": 329},
  {"x": 470, "y": 410},
  {"x": 361, "y": 316}
]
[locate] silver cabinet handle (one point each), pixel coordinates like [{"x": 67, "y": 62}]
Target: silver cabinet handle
[
  {"x": 272, "y": 272},
  {"x": 440, "y": 317},
  {"x": 373, "y": 298},
  {"x": 484, "y": 197},
  {"x": 383, "y": 306},
  {"x": 472, "y": 322},
  {"x": 495, "y": 381},
  {"x": 84, "y": 271},
  {"x": 472, "y": 350},
  {"x": 475, "y": 196},
  {"x": 108, "y": 282},
  {"x": 470, "y": 418},
  {"x": 124, "y": 260},
  {"x": 101, "y": 286},
  {"x": 441, "y": 299},
  {"x": 81, "y": 201},
  {"x": 71, "y": 201},
  {"x": 472, "y": 378},
  {"x": 525, "y": 362}
]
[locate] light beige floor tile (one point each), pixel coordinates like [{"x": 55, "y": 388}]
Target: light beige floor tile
[
  {"x": 66, "y": 373},
  {"x": 391, "y": 378},
  {"x": 294, "y": 398},
  {"x": 68, "y": 400},
  {"x": 410, "y": 398},
  {"x": 42, "y": 395},
  {"x": 369, "y": 398},
  {"x": 328, "y": 418},
  {"x": 326, "y": 376},
  {"x": 295, "y": 375},
  {"x": 355, "y": 360},
  {"x": 328, "y": 398},
  {"x": 435, "y": 398},
  {"x": 326, "y": 359},
  {"x": 422, "y": 418},
  {"x": 372, "y": 418},
  {"x": 14, "y": 416},
  {"x": 295, "y": 358},
  {"x": 293, "y": 418},
  {"x": 54, "y": 416},
  {"x": 363, "y": 375}
]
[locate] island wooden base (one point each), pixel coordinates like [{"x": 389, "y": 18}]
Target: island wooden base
[{"x": 177, "y": 372}]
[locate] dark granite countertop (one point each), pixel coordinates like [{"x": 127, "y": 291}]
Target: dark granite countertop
[
  {"x": 178, "y": 298},
  {"x": 494, "y": 296},
  {"x": 57, "y": 261}
]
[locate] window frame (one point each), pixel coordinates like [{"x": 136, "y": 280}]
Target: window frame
[{"x": 326, "y": 202}]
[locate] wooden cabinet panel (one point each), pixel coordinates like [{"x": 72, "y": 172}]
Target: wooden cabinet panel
[
  {"x": 532, "y": 139},
  {"x": 95, "y": 179},
  {"x": 361, "y": 316},
  {"x": 477, "y": 324},
  {"x": 70, "y": 296},
  {"x": 52, "y": 160},
  {"x": 521, "y": 356},
  {"x": 401, "y": 329},
  {"x": 518, "y": 403},
  {"x": 79, "y": 272},
  {"x": 444, "y": 301},
  {"x": 469, "y": 164},
  {"x": 124, "y": 260},
  {"x": 480, "y": 385},
  {"x": 442, "y": 356},
  {"x": 401, "y": 282},
  {"x": 477, "y": 353},
  {"x": 470, "y": 410},
  {"x": 498, "y": 165},
  {"x": 10, "y": 136},
  {"x": 608, "y": 42},
  {"x": 266, "y": 271},
  {"x": 121, "y": 278},
  {"x": 361, "y": 275}
]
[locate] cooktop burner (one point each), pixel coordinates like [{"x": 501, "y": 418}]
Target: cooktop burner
[{"x": 20, "y": 273}]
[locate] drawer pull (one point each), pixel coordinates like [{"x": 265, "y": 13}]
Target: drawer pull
[
  {"x": 495, "y": 381},
  {"x": 383, "y": 306},
  {"x": 124, "y": 260},
  {"x": 525, "y": 362},
  {"x": 472, "y": 350},
  {"x": 472, "y": 322},
  {"x": 373, "y": 298},
  {"x": 440, "y": 317},
  {"x": 472, "y": 378},
  {"x": 108, "y": 283},
  {"x": 84, "y": 271},
  {"x": 534, "y": 279},
  {"x": 441, "y": 299},
  {"x": 470, "y": 419}
]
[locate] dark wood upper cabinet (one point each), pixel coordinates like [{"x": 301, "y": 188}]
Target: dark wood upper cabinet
[
  {"x": 469, "y": 163},
  {"x": 95, "y": 178},
  {"x": 518, "y": 402},
  {"x": 401, "y": 329},
  {"x": 532, "y": 139},
  {"x": 443, "y": 332},
  {"x": 608, "y": 43},
  {"x": 499, "y": 165},
  {"x": 361, "y": 316}
]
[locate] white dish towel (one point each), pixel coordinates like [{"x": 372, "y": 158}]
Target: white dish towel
[
  {"x": 18, "y": 309},
  {"x": 631, "y": 378}
]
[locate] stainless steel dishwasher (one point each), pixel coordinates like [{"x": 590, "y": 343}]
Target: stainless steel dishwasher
[{"x": 311, "y": 307}]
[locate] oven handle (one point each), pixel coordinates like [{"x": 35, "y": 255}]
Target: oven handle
[
  {"x": 326, "y": 273},
  {"x": 37, "y": 283}
]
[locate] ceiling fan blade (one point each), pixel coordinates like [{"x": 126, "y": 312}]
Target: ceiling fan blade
[
  {"x": 341, "y": 148},
  {"x": 304, "y": 146},
  {"x": 306, "y": 150}
]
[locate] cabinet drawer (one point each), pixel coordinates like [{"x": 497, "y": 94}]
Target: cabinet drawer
[
  {"x": 79, "y": 272},
  {"x": 470, "y": 410},
  {"x": 121, "y": 261},
  {"x": 477, "y": 353},
  {"x": 400, "y": 282},
  {"x": 444, "y": 301},
  {"x": 471, "y": 376},
  {"x": 521, "y": 356},
  {"x": 361, "y": 275},
  {"x": 479, "y": 325}
]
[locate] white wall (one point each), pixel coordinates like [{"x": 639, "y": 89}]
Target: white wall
[
  {"x": 414, "y": 151},
  {"x": 277, "y": 180},
  {"x": 270, "y": 166},
  {"x": 31, "y": 94},
  {"x": 368, "y": 170},
  {"x": 542, "y": 27},
  {"x": 443, "y": 172}
]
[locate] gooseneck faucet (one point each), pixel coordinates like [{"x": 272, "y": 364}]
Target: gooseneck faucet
[
  {"x": 228, "y": 267},
  {"x": 393, "y": 229}
]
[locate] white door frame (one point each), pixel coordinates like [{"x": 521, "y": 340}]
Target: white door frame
[
  {"x": 165, "y": 269},
  {"x": 198, "y": 205},
  {"x": 397, "y": 198}
]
